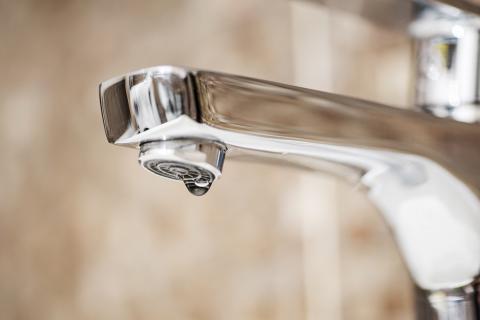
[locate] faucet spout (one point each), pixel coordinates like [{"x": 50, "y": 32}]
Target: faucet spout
[{"x": 420, "y": 171}]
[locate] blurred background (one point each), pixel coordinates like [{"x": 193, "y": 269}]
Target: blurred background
[{"x": 85, "y": 233}]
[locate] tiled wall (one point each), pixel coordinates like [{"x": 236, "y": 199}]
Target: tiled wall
[{"x": 86, "y": 234}]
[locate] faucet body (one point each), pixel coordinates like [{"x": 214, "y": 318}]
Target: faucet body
[{"x": 420, "y": 170}]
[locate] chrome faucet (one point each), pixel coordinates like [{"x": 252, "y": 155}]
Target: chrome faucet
[{"x": 421, "y": 169}]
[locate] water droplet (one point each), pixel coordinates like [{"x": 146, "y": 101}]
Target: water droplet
[
  {"x": 203, "y": 183},
  {"x": 197, "y": 188}
]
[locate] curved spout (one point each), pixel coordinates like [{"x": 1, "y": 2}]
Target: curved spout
[{"x": 421, "y": 172}]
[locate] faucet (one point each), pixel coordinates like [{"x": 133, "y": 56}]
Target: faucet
[{"x": 419, "y": 167}]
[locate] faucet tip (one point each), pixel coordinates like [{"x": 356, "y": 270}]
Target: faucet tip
[{"x": 197, "y": 163}]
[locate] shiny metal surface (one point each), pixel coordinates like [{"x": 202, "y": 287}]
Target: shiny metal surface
[
  {"x": 198, "y": 163},
  {"x": 421, "y": 171},
  {"x": 457, "y": 303},
  {"x": 447, "y": 53},
  {"x": 448, "y": 62},
  {"x": 446, "y": 50}
]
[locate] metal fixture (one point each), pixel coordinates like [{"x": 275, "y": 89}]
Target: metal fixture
[
  {"x": 448, "y": 62},
  {"x": 197, "y": 163},
  {"x": 425, "y": 183}
]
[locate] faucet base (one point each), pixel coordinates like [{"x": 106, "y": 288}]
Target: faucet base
[{"x": 451, "y": 304}]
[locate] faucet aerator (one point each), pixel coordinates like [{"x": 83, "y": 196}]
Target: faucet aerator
[{"x": 198, "y": 163}]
